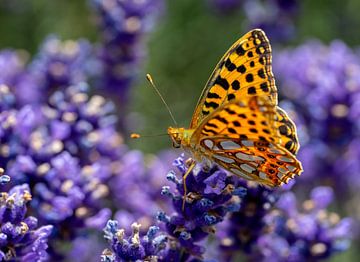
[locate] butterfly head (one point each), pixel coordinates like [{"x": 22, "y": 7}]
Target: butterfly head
[
  {"x": 176, "y": 135},
  {"x": 180, "y": 136}
]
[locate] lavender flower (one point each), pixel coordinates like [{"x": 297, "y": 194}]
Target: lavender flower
[
  {"x": 124, "y": 25},
  {"x": 136, "y": 188},
  {"x": 14, "y": 76},
  {"x": 310, "y": 235},
  {"x": 59, "y": 64},
  {"x": 211, "y": 194},
  {"x": 246, "y": 225},
  {"x": 134, "y": 247},
  {"x": 67, "y": 150},
  {"x": 323, "y": 85},
  {"x": 275, "y": 17},
  {"x": 20, "y": 237}
]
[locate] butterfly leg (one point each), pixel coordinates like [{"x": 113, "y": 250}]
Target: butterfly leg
[{"x": 190, "y": 168}]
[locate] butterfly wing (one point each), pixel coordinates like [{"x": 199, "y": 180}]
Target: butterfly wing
[
  {"x": 287, "y": 130},
  {"x": 243, "y": 137},
  {"x": 244, "y": 71}
]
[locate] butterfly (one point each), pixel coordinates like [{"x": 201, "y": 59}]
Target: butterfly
[{"x": 237, "y": 122}]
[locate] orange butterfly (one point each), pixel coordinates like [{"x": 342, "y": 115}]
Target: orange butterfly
[{"x": 237, "y": 123}]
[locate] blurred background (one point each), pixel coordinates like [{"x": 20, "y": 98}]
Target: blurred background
[
  {"x": 316, "y": 66},
  {"x": 183, "y": 48}
]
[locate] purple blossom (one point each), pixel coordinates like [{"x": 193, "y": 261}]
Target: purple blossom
[
  {"x": 14, "y": 76},
  {"x": 275, "y": 17},
  {"x": 124, "y": 25},
  {"x": 60, "y": 64},
  {"x": 134, "y": 247},
  {"x": 185, "y": 228},
  {"x": 312, "y": 234},
  {"x": 322, "y": 83},
  {"x": 66, "y": 150},
  {"x": 20, "y": 237},
  {"x": 136, "y": 189},
  {"x": 246, "y": 225}
]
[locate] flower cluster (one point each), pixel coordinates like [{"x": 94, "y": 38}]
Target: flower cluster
[
  {"x": 210, "y": 195},
  {"x": 324, "y": 97},
  {"x": 66, "y": 150},
  {"x": 60, "y": 142},
  {"x": 124, "y": 25},
  {"x": 245, "y": 226},
  {"x": 276, "y": 17},
  {"x": 60, "y": 64},
  {"x": 134, "y": 247},
  {"x": 260, "y": 222},
  {"x": 136, "y": 190},
  {"x": 14, "y": 75},
  {"x": 310, "y": 235},
  {"x": 20, "y": 237}
]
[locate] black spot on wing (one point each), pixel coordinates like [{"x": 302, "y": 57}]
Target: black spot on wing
[
  {"x": 232, "y": 130},
  {"x": 264, "y": 87},
  {"x": 229, "y": 65},
  {"x": 261, "y": 73},
  {"x": 240, "y": 50},
  {"x": 205, "y": 112},
  {"x": 211, "y": 125},
  {"x": 249, "y": 78},
  {"x": 241, "y": 69},
  {"x": 222, "y": 82},
  {"x": 230, "y": 96},
  {"x": 213, "y": 95},
  {"x": 235, "y": 85},
  {"x": 251, "y": 90},
  {"x": 211, "y": 104},
  {"x": 221, "y": 119},
  {"x": 231, "y": 112}
]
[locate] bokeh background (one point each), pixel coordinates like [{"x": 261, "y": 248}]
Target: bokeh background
[{"x": 316, "y": 65}]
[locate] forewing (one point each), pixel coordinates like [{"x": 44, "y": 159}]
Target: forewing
[
  {"x": 244, "y": 71},
  {"x": 243, "y": 138}
]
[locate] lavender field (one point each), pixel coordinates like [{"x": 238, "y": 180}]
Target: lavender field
[{"x": 76, "y": 187}]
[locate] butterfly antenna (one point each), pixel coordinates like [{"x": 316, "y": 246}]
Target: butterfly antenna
[
  {"x": 149, "y": 78},
  {"x": 136, "y": 135}
]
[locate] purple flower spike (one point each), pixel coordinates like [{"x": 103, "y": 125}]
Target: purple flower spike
[
  {"x": 322, "y": 196},
  {"x": 20, "y": 237},
  {"x": 323, "y": 98},
  {"x": 211, "y": 194},
  {"x": 134, "y": 247},
  {"x": 275, "y": 17},
  {"x": 60, "y": 64},
  {"x": 124, "y": 25},
  {"x": 307, "y": 235}
]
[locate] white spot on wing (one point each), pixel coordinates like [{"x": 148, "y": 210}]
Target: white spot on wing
[
  {"x": 224, "y": 159},
  {"x": 291, "y": 168},
  {"x": 246, "y": 157},
  {"x": 227, "y": 145},
  {"x": 285, "y": 159},
  {"x": 208, "y": 143},
  {"x": 262, "y": 175},
  {"x": 282, "y": 170},
  {"x": 247, "y": 143},
  {"x": 275, "y": 151},
  {"x": 280, "y": 175},
  {"x": 247, "y": 168},
  {"x": 238, "y": 172}
]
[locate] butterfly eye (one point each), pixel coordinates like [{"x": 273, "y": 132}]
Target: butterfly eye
[{"x": 176, "y": 145}]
